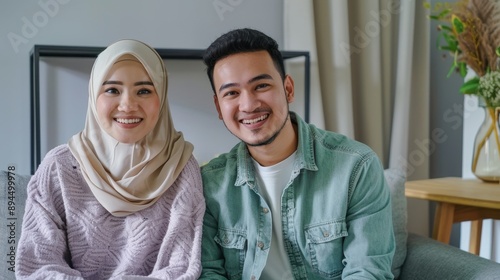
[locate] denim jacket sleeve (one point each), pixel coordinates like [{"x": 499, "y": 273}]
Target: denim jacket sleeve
[
  {"x": 368, "y": 255},
  {"x": 212, "y": 258}
]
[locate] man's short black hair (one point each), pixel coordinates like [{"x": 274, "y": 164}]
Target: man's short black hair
[{"x": 240, "y": 41}]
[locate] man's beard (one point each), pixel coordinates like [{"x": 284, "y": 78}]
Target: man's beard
[{"x": 272, "y": 138}]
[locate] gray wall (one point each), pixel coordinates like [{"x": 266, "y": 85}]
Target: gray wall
[
  {"x": 161, "y": 23},
  {"x": 446, "y": 108}
]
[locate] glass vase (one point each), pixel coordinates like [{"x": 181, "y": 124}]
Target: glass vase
[{"x": 486, "y": 156}]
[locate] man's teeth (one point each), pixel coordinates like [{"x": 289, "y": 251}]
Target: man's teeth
[
  {"x": 255, "y": 120},
  {"x": 127, "y": 121}
]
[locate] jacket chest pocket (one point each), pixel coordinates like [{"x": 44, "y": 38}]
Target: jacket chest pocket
[
  {"x": 325, "y": 248},
  {"x": 233, "y": 245}
]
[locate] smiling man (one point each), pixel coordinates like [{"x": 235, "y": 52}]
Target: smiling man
[{"x": 290, "y": 201}]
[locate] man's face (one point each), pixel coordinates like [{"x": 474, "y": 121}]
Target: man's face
[{"x": 251, "y": 98}]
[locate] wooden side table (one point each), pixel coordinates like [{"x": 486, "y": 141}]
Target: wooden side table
[{"x": 458, "y": 200}]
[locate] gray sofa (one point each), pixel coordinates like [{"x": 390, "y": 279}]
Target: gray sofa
[
  {"x": 416, "y": 257},
  {"x": 430, "y": 259},
  {"x": 419, "y": 257}
]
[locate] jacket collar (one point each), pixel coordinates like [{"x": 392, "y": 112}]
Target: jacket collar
[{"x": 305, "y": 153}]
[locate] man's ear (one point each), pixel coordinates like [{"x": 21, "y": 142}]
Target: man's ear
[
  {"x": 288, "y": 84},
  {"x": 216, "y": 102}
]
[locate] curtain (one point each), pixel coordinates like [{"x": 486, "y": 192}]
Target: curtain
[{"x": 369, "y": 78}]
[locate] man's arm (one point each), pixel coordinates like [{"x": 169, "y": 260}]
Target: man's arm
[
  {"x": 212, "y": 258},
  {"x": 370, "y": 245}
]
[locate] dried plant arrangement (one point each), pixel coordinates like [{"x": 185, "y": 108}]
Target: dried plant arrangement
[{"x": 470, "y": 31}]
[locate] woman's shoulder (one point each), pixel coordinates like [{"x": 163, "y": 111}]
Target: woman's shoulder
[
  {"x": 58, "y": 152},
  {"x": 189, "y": 180},
  {"x": 193, "y": 165},
  {"x": 58, "y": 156},
  {"x": 191, "y": 172},
  {"x": 191, "y": 168},
  {"x": 56, "y": 172}
]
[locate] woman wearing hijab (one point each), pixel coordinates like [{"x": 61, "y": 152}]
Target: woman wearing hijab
[{"x": 123, "y": 199}]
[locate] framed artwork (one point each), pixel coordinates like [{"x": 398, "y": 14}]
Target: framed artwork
[{"x": 59, "y": 78}]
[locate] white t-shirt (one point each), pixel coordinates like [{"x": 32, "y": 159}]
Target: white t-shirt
[{"x": 272, "y": 180}]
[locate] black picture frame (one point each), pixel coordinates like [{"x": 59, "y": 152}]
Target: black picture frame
[{"x": 39, "y": 51}]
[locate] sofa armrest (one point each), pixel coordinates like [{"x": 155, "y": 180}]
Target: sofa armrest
[{"x": 429, "y": 259}]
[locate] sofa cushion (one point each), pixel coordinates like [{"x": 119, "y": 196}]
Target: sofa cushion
[
  {"x": 430, "y": 259},
  {"x": 12, "y": 201},
  {"x": 396, "y": 179}
]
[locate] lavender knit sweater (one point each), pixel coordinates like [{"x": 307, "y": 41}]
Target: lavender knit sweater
[{"x": 67, "y": 234}]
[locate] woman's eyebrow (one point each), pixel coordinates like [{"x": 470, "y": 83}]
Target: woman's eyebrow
[
  {"x": 112, "y": 83},
  {"x": 148, "y": 83}
]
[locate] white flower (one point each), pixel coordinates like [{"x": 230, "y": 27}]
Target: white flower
[{"x": 489, "y": 88}]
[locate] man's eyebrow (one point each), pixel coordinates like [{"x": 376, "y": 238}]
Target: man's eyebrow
[
  {"x": 256, "y": 78},
  {"x": 260, "y": 77},
  {"x": 224, "y": 86}
]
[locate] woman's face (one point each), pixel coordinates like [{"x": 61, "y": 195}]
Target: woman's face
[{"x": 128, "y": 104}]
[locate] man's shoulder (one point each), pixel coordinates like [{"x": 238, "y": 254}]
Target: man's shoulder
[
  {"x": 219, "y": 162},
  {"x": 338, "y": 142},
  {"x": 221, "y": 171},
  {"x": 224, "y": 160}
]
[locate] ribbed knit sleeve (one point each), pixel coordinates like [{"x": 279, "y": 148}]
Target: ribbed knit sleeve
[{"x": 67, "y": 234}]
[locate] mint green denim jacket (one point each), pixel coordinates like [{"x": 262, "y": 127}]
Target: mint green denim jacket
[{"x": 336, "y": 212}]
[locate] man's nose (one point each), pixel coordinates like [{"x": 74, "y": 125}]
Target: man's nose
[{"x": 248, "y": 101}]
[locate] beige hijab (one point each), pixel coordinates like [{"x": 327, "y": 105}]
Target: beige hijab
[{"x": 126, "y": 178}]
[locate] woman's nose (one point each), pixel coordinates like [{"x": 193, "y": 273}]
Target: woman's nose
[{"x": 128, "y": 102}]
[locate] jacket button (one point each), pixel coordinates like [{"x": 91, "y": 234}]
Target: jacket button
[
  {"x": 260, "y": 244},
  {"x": 265, "y": 210},
  {"x": 326, "y": 234}
]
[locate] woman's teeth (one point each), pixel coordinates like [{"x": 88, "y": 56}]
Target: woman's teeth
[{"x": 128, "y": 121}]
